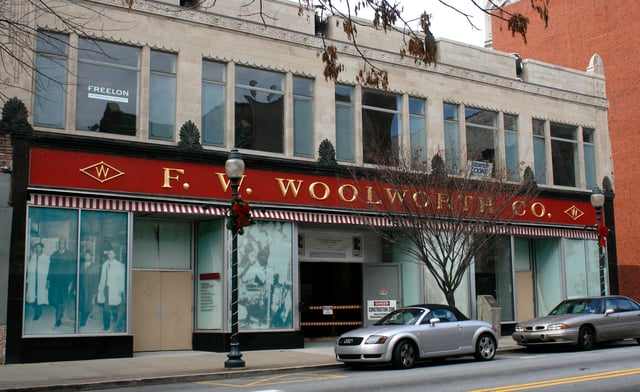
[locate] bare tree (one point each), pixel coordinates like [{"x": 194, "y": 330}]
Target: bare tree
[
  {"x": 417, "y": 39},
  {"x": 440, "y": 220}
]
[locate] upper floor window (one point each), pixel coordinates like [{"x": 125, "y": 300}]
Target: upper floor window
[
  {"x": 214, "y": 103},
  {"x": 259, "y": 110},
  {"x": 564, "y": 153},
  {"x": 589, "y": 157},
  {"x": 162, "y": 96},
  {"x": 418, "y": 131},
  {"x": 481, "y": 131},
  {"x": 564, "y": 162},
  {"x": 451, "y": 137},
  {"x": 512, "y": 158},
  {"x": 107, "y": 93},
  {"x": 539, "y": 151},
  {"x": 345, "y": 123},
  {"x": 50, "y": 80},
  {"x": 303, "y": 129},
  {"x": 381, "y": 125}
]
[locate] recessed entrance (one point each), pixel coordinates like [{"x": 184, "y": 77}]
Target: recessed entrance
[{"x": 331, "y": 296}]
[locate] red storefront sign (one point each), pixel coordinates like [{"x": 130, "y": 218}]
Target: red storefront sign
[{"x": 119, "y": 174}]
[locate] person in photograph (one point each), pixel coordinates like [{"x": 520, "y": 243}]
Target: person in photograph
[
  {"x": 37, "y": 271},
  {"x": 61, "y": 278},
  {"x": 111, "y": 294},
  {"x": 280, "y": 304},
  {"x": 89, "y": 279}
]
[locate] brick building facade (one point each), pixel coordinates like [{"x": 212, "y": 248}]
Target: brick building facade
[{"x": 578, "y": 29}]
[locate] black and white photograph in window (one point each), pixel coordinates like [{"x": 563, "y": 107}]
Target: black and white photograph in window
[
  {"x": 264, "y": 274},
  {"x": 76, "y": 274}
]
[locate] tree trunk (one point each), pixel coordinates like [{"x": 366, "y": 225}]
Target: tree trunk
[{"x": 451, "y": 300}]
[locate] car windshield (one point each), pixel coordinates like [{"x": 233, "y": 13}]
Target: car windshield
[
  {"x": 576, "y": 306},
  {"x": 401, "y": 317}
]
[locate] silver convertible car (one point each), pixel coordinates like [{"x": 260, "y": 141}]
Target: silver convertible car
[
  {"x": 414, "y": 333},
  {"x": 583, "y": 322}
]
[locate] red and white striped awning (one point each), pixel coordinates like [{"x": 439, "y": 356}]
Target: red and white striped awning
[{"x": 100, "y": 203}]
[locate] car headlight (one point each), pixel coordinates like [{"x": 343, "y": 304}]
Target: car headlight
[
  {"x": 376, "y": 339},
  {"x": 554, "y": 327},
  {"x": 519, "y": 328}
]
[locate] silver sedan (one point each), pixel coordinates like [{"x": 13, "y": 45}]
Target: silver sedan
[
  {"x": 417, "y": 332},
  {"x": 583, "y": 322}
]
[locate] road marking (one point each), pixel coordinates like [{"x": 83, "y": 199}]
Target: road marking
[
  {"x": 276, "y": 380},
  {"x": 561, "y": 381}
]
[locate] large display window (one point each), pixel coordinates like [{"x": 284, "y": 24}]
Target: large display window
[{"x": 76, "y": 272}]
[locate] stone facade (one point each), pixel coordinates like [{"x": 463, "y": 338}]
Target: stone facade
[{"x": 284, "y": 41}]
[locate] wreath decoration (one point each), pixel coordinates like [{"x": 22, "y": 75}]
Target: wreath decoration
[
  {"x": 239, "y": 216},
  {"x": 603, "y": 232}
]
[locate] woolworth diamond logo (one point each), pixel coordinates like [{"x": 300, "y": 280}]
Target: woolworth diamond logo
[
  {"x": 574, "y": 212},
  {"x": 102, "y": 172}
]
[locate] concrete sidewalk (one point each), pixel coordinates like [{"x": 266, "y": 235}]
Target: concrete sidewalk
[{"x": 167, "y": 367}]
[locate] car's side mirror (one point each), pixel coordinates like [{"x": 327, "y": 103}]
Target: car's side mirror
[
  {"x": 608, "y": 312},
  {"x": 434, "y": 320}
]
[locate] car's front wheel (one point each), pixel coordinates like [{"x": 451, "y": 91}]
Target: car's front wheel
[
  {"x": 405, "y": 354},
  {"x": 586, "y": 338},
  {"x": 485, "y": 347}
]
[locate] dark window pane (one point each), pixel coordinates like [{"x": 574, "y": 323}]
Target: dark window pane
[
  {"x": 50, "y": 92},
  {"x": 303, "y": 86},
  {"x": 450, "y": 112},
  {"x": 344, "y": 93},
  {"x": 510, "y": 122},
  {"x": 380, "y": 100},
  {"x": 564, "y": 169},
  {"x": 480, "y": 144},
  {"x": 52, "y": 43},
  {"x": 105, "y": 52},
  {"x": 107, "y": 99},
  {"x": 259, "y": 79},
  {"x": 481, "y": 117},
  {"x": 303, "y": 128},
  {"x": 538, "y": 127},
  {"x": 162, "y": 104},
  {"x": 587, "y": 135},
  {"x": 259, "y": 120},
  {"x": 563, "y": 131},
  {"x": 163, "y": 62},
  {"x": 345, "y": 134},
  {"x": 107, "y": 94},
  {"x": 380, "y": 134},
  {"x": 213, "y": 71},
  {"x": 213, "y": 114},
  {"x": 416, "y": 106}
]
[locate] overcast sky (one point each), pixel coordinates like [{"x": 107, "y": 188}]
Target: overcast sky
[{"x": 446, "y": 22}]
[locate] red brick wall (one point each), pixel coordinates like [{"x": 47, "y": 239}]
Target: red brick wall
[{"x": 577, "y": 30}]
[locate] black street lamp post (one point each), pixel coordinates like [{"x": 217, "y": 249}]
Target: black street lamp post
[
  {"x": 597, "y": 201},
  {"x": 234, "y": 167}
]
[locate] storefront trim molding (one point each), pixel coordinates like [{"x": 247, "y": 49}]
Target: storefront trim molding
[{"x": 100, "y": 203}]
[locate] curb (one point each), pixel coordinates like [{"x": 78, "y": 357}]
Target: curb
[{"x": 159, "y": 380}]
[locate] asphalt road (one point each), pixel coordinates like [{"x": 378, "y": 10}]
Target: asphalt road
[{"x": 611, "y": 368}]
